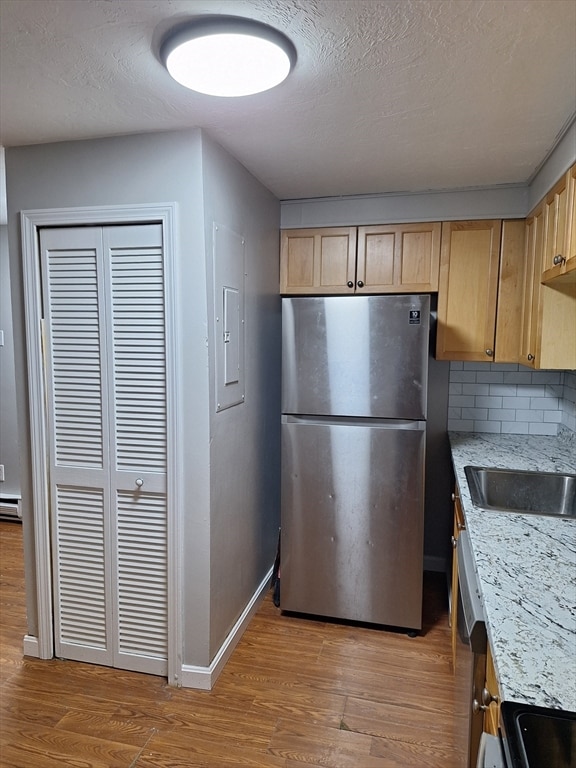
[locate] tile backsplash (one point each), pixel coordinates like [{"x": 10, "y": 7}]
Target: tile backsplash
[{"x": 509, "y": 398}]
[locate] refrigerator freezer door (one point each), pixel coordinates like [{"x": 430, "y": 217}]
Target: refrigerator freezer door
[
  {"x": 352, "y": 519},
  {"x": 355, "y": 356}
]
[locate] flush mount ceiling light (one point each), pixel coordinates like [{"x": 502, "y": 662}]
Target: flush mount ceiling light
[{"x": 227, "y": 56}]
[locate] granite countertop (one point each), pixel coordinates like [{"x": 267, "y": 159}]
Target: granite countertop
[{"x": 526, "y": 567}]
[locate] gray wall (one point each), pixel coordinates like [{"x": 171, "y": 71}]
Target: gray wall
[
  {"x": 9, "y": 441},
  {"x": 158, "y": 168},
  {"x": 244, "y": 439}
]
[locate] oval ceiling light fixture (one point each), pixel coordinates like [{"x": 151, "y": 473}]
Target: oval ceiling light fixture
[{"x": 227, "y": 56}]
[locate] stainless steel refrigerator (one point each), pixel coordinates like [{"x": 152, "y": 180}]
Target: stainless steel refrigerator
[{"x": 354, "y": 388}]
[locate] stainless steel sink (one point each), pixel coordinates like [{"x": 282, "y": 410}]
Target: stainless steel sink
[{"x": 516, "y": 490}]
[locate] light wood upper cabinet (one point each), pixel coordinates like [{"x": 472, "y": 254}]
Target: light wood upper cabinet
[
  {"x": 549, "y": 314},
  {"x": 510, "y": 292},
  {"x": 378, "y": 259},
  {"x": 318, "y": 261},
  {"x": 556, "y": 224},
  {"x": 480, "y": 296},
  {"x": 468, "y": 290},
  {"x": 559, "y": 257},
  {"x": 398, "y": 258},
  {"x": 571, "y": 221},
  {"x": 532, "y": 306}
]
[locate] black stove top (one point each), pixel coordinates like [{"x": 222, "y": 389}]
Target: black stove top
[{"x": 536, "y": 737}]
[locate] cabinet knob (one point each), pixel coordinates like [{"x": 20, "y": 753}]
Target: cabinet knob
[
  {"x": 477, "y": 707},
  {"x": 559, "y": 259},
  {"x": 139, "y": 482},
  {"x": 360, "y": 284},
  {"x": 490, "y": 352},
  {"x": 487, "y": 697},
  {"x": 350, "y": 284},
  {"x": 530, "y": 357}
]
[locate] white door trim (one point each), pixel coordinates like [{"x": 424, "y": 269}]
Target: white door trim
[{"x": 31, "y": 221}]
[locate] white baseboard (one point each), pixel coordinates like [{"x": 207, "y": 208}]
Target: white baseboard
[
  {"x": 434, "y": 563},
  {"x": 31, "y": 647},
  {"x": 204, "y": 678}
]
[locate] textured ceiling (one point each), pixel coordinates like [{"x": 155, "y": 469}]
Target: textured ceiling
[{"x": 386, "y": 96}]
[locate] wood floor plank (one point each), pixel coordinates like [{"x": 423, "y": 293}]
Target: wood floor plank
[
  {"x": 209, "y": 723},
  {"x": 309, "y": 705},
  {"x": 402, "y": 754},
  {"x": 398, "y": 722},
  {"x": 121, "y": 730},
  {"x": 203, "y": 750},
  {"x": 329, "y": 747},
  {"x": 19, "y": 709},
  {"x": 42, "y": 746}
]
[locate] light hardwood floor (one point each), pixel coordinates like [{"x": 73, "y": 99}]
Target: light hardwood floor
[{"x": 296, "y": 693}]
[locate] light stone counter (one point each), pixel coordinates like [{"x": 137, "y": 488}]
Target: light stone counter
[{"x": 526, "y": 567}]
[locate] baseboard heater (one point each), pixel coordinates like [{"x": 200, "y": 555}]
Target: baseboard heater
[{"x": 10, "y": 508}]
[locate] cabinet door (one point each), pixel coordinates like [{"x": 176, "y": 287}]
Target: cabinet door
[
  {"x": 571, "y": 218},
  {"x": 398, "y": 258},
  {"x": 510, "y": 292},
  {"x": 556, "y": 223},
  {"x": 491, "y": 697},
  {"x": 376, "y": 249},
  {"x": 530, "y": 346},
  {"x": 468, "y": 289},
  {"x": 458, "y": 526},
  {"x": 317, "y": 261},
  {"x": 549, "y": 314},
  {"x": 565, "y": 270}
]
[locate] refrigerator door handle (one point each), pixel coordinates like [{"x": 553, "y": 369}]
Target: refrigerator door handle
[{"x": 349, "y": 421}]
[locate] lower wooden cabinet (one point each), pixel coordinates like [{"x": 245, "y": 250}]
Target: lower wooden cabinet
[
  {"x": 458, "y": 526},
  {"x": 491, "y": 697}
]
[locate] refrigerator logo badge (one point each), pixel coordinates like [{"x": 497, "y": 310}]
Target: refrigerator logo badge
[{"x": 414, "y": 317}]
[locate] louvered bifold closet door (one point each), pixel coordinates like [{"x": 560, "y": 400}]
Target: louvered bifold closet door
[
  {"x": 138, "y": 414},
  {"x": 106, "y": 389},
  {"x": 76, "y": 382}
]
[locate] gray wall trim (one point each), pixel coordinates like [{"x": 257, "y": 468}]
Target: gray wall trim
[{"x": 507, "y": 201}]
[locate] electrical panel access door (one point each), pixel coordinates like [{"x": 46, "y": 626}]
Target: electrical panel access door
[{"x": 104, "y": 350}]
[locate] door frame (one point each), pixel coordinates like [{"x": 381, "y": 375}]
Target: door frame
[{"x": 31, "y": 221}]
